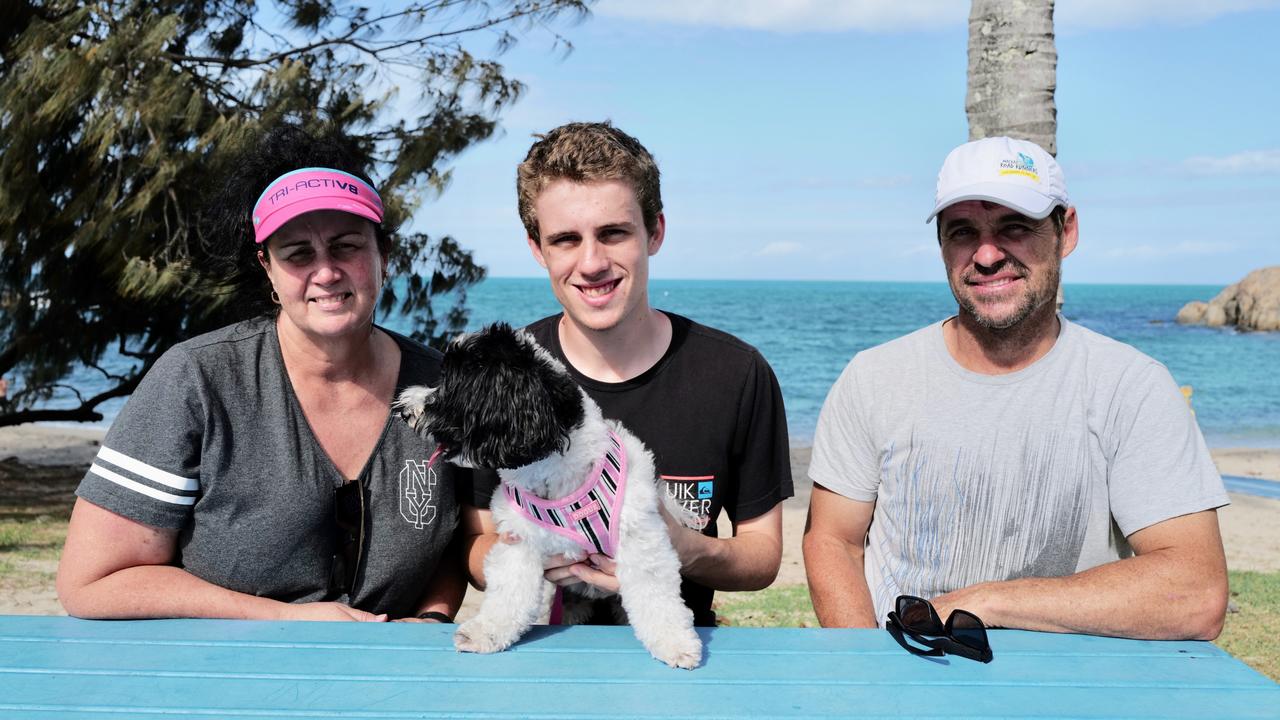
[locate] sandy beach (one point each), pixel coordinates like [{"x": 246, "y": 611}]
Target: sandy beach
[{"x": 32, "y": 455}]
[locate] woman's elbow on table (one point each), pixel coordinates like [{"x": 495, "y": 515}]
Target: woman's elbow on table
[{"x": 99, "y": 544}]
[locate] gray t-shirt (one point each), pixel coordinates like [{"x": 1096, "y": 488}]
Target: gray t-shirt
[
  {"x": 214, "y": 444},
  {"x": 1038, "y": 473}
]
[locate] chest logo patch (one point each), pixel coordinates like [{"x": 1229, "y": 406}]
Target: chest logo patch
[
  {"x": 694, "y": 494},
  {"x": 417, "y": 493}
]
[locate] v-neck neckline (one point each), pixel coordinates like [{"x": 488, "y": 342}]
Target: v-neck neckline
[{"x": 339, "y": 478}]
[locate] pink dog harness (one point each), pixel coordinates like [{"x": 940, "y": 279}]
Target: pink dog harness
[{"x": 589, "y": 516}]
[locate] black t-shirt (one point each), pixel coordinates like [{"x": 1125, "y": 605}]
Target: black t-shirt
[{"x": 710, "y": 410}]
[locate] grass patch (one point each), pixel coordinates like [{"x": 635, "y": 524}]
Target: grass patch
[
  {"x": 1250, "y": 633},
  {"x": 38, "y": 539},
  {"x": 782, "y": 606},
  {"x": 27, "y": 548},
  {"x": 13, "y": 535}
]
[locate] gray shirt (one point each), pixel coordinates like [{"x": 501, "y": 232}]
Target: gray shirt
[
  {"x": 1038, "y": 473},
  {"x": 215, "y": 445}
]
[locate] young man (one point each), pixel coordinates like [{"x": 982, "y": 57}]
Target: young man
[
  {"x": 705, "y": 403},
  {"x": 1007, "y": 461}
]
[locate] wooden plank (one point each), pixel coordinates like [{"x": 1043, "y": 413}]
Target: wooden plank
[
  {"x": 541, "y": 639},
  {"x": 1252, "y": 486},
  {"x": 578, "y": 698},
  {"x": 784, "y": 664},
  {"x": 58, "y": 667}
]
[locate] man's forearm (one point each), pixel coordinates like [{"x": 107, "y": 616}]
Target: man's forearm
[
  {"x": 1157, "y": 596},
  {"x": 745, "y": 562},
  {"x": 837, "y": 585}
]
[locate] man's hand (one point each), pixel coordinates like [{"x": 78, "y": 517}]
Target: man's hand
[
  {"x": 971, "y": 599},
  {"x": 596, "y": 570}
]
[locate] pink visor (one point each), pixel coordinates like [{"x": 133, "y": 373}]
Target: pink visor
[{"x": 308, "y": 190}]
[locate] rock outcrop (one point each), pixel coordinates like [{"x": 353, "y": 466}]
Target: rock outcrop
[{"x": 1251, "y": 304}]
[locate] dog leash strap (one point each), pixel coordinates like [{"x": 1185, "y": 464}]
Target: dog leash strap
[
  {"x": 431, "y": 460},
  {"x": 557, "y": 607}
]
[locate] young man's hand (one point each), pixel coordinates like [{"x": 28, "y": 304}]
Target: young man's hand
[{"x": 596, "y": 570}]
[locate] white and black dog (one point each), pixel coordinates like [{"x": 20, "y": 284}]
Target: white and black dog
[{"x": 572, "y": 484}]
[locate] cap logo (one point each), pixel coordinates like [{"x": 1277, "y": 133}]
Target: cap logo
[
  {"x": 1024, "y": 165},
  {"x": 309, "y": 189}
]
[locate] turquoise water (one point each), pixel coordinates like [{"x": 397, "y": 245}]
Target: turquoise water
[{"x": 809, "y": 330}]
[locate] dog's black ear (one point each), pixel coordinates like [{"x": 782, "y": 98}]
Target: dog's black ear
[{"x": 506, "y": 399}]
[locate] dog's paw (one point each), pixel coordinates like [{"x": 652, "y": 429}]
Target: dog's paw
[
  {"x": 679, "y": 650},
  {"x": 412, "y": 403},
  {"x": 473, "y": 636}
]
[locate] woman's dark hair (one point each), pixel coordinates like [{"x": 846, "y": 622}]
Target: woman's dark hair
[{"x": 226, "y": 225}]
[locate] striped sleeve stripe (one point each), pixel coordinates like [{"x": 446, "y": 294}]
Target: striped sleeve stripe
[
  {"x": 141, "y": 469},
  {"x": 136, "y": 486}
]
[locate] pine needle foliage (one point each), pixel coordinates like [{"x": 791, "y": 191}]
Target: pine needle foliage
[{"x": 116, "y": 116}]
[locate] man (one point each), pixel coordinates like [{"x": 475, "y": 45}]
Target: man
[
  {"x": 1006, "y": 460},
  {"x": 706, "y": 404}
]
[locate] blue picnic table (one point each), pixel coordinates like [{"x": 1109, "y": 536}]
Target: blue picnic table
[{"x": 57, "y": 667}]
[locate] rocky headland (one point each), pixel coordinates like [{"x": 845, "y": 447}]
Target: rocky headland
[{"x": 1251, "y": 304}]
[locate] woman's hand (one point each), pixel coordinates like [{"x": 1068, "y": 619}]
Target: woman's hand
[{"x": 328, "y": 612}]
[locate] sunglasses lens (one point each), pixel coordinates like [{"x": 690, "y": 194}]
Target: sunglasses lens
[
  {"x": 918, "y": 616},
  {"x": 348, "y": 516},
  {"x": 347, "y": 508},
  {"x": 894, "y": 626},
  {"x": 967, "y": 630}
]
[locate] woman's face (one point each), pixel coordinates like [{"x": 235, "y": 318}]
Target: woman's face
[{"x": 327, "y": 270}]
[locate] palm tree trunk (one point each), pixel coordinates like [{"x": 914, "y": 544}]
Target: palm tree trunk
[
  {"x": 1013, "y": 66},
  {"x": 1013, "y": 73}
]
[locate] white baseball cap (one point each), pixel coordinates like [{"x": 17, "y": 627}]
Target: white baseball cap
[{"x": 1015, "y": 173}]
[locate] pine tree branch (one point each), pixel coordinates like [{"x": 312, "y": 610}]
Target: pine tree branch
[
  {"x": 86, "y": 412},
  {"x": 373, "y": 48}
]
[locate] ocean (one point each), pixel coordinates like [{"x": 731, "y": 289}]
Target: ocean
[{"x": 808, "y": 331}]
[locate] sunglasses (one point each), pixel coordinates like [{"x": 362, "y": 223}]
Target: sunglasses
[
  {"x": 348, "y": 518},
  {"x": 963, "y": 634}
]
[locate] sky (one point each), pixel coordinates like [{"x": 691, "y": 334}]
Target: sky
[{"x": 801, "y": 139}]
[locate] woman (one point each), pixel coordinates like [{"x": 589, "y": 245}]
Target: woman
[{"x": 258, "y": 471}]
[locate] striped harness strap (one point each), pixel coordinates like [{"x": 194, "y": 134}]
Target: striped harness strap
[{"x": 589, "y": 516}]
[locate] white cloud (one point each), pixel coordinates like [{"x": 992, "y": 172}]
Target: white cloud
[
  {"x": 1252, "y": 162},
  {"x": 778, "y": 249},
  {"x": 795, "y": 15},
  {"x": 1131, "y": 13},
  {"x": 1162, "y": 250},
  {"x": 910, "y": 15}
]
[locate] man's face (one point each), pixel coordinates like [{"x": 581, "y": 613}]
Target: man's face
[
  {"x": 1001, "y": 264},
  {"x": 596, "y": 250}
]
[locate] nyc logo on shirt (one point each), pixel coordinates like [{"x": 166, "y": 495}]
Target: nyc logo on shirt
[
  {"x": 417, "y": 493},
  {"x": 693, "y": 493}
]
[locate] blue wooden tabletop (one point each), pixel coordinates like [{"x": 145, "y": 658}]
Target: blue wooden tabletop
[{"x": 61, "y": 667}]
